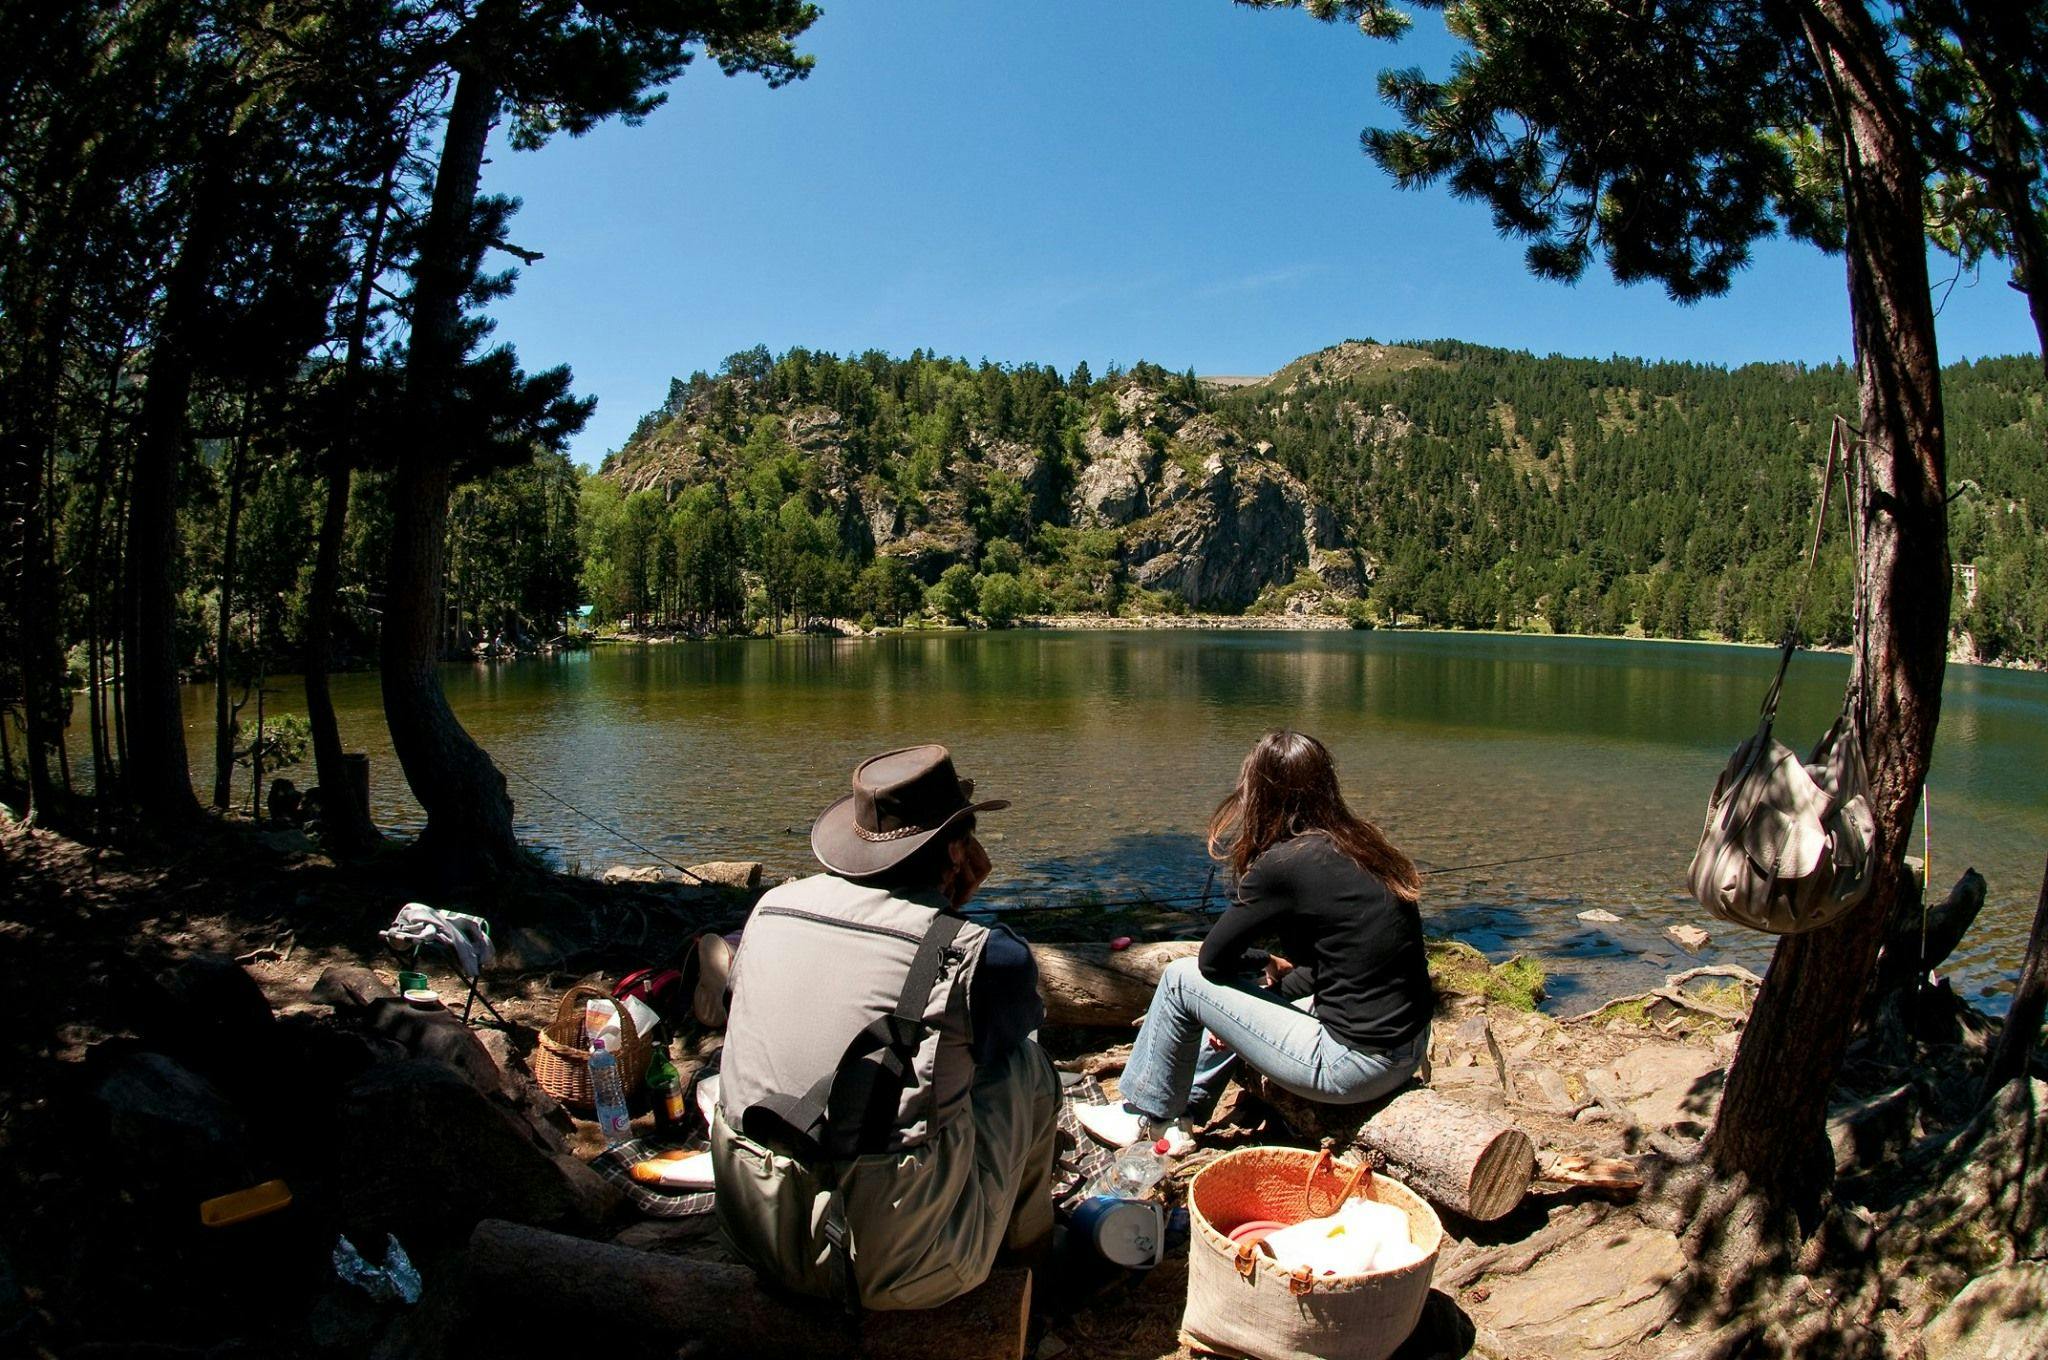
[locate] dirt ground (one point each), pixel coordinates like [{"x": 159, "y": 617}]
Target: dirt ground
[{"x": 1573, "y": 1272}]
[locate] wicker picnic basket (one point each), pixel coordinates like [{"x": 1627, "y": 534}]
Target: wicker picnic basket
[
  {"x": 561, "y": 1064},
  {"x": 1240, "y": 1303}
]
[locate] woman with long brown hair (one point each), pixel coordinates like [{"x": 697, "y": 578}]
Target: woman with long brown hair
[{"x": 1344, "y": 1016}]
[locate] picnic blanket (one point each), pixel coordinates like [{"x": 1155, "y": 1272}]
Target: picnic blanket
[{"x": 616, "y": 1165}]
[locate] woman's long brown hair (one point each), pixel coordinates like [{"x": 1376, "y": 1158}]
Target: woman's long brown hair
[{"x": 1288, "y": 787}]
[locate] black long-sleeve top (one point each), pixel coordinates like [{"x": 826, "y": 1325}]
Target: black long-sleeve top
[
  {"x": 1003, "y": 1004},
  {"x": 1353, "y": 944}
]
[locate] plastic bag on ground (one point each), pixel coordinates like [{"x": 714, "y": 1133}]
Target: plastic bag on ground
[{"x": 396, "y": 1280}]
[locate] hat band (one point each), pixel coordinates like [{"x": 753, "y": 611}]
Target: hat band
[{"x": 898, "y": 834}]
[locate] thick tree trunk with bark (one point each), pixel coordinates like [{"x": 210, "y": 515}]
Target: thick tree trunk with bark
[
  {"x": 345, "y": 825},
  {"x": 1772, "y": 1122},
  {"x": 36, "y": 624},
  {"x": 25, "y": 498},
  {"x": 103, "y": 777},
  {"x": 469, "y": 812},
  {"x": 158, "y": 766},
  {"x": 2022, "y": 1032},
  {"x": 223, "y": 712}
]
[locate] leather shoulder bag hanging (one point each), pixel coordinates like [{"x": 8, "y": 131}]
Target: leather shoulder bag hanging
[{"x": 1790, "y": 846}]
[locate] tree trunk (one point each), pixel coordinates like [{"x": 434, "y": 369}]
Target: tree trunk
[
  {"x": 36, "y": 636},
  {"x": 96, "y": 586},
  {"x": 1772, "y": 1122},
  {"x": 543, "y": 1288},
  {"x": 28, "y": 505},
  {"x": 223, "y": 722},
  {"x": 345, "y": 826},
  {"x": 469, "y": 813},
  {"x": 117, "y": 645},
  {"x": 256, "y": 746},
  {"x": 159, "y": 769},
  {"x": 2022, "y": 1032}
]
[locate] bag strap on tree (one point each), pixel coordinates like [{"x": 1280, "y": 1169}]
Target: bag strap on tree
[{"x": 1841, "y": 446}]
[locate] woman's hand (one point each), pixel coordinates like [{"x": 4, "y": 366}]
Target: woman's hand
[{"x": 1276, "y": 968}]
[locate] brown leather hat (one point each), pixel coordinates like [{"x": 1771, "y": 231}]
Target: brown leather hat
[{"x": 900, "y": 800}]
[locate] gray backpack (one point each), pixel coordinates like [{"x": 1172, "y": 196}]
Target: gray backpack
[
  {"x": 1788, "y": 845},
  {"x": 849, "y": 1033}
]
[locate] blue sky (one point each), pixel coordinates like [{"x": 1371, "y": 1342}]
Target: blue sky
[{"x": 1174, "y": 180}]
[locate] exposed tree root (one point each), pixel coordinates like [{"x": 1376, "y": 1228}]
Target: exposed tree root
[{"x": 1673, "y": 991}]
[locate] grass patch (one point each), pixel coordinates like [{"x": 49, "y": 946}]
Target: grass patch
[
  {"x": 1458, "y": 969},
  {"x": 1728, "y": 993},
  {"x": 1635, "y": 1012}
]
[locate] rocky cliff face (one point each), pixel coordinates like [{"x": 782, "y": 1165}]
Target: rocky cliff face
[
  {"x": 1201, "y": 515},
  {"x": 1195, "y": 511}
]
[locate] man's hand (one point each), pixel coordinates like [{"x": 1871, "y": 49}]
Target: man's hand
[
  {"x": 1276, "y": 968},
  {"x": 970, "y": 866}
]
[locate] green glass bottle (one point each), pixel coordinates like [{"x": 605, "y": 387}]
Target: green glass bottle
[{"x": 665, "y": 1091}]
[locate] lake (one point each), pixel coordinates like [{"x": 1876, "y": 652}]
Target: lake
[{"x": 1469, "y": 749}]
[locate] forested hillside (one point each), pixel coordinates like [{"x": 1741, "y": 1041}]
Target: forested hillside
[{"x": 1441, "y": 484}]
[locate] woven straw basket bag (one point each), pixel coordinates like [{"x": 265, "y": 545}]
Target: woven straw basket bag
[
  {"x": 561, "y": 1065},
  {"x": 1240, "y": 1303}
]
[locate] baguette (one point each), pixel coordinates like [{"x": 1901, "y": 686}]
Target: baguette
[{"x": 677, "y": 1170}]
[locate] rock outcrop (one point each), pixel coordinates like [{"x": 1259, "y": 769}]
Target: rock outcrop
[
  {"x": 1198, "y": 512},
  {"x": 1221, "y": 538}
]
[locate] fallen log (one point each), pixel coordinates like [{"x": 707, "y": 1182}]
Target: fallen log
[
  {"x": 1092, "y": 985},
  {"x": 1456, "y": 1157},
  {"x": 545, "y": 1289}
]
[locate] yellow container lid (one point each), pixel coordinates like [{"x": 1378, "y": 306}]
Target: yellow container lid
[{"x": 242, "y": 1205}]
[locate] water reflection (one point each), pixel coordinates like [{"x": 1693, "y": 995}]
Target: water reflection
[{"x": 1470, "y": 749}]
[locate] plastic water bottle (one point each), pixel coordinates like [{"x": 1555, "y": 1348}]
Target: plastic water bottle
[
  {"x": 608, "y": 1090},
  {"x": 1136, "y": 1170}
]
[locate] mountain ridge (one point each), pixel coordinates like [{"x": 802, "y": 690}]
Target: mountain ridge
[{"x": 1436, "y": 481}]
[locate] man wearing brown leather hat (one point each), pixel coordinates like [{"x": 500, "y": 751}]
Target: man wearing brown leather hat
[{"x": 885, "y": 1122}]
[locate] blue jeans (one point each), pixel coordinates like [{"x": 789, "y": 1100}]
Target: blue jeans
[{"x": 1288, "y": 1045}]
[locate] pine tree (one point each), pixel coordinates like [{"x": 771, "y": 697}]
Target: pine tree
[
  {"x": 1652, "y": 138},
  {"x": 555, "y": 68}
]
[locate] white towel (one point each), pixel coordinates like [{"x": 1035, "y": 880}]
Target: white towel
[{"x": 468, "y": 938}]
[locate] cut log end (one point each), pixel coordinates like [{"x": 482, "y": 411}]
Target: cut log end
[
  {"x": 1458, "y": 1158},
  {"x": 1501, "y": 1174}
]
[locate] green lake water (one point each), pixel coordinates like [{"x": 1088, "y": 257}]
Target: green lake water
[{"x": 1115, "y": 746}]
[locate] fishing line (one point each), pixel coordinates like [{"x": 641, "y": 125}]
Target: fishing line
[
  {"x": 645, "y": 850},
  {"x": 1178, "y": 901}
]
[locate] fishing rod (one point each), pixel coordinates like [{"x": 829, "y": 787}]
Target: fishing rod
[{"x": 605, "y": 827}]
